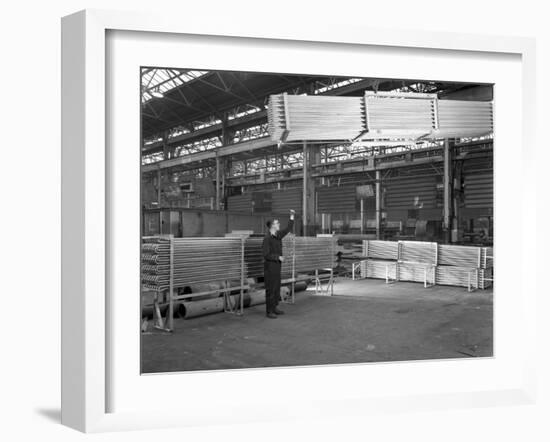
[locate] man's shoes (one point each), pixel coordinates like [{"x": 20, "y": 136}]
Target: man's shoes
[
  {"x": 278, "y": 312},
  {"x": 271, "y": 315}
]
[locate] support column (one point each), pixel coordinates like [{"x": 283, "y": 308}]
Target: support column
[
  {"x": 159, "y": 186},
  {"x": 378, "y": 203},
  {"x": 165, "y": 148},
  {"x": 311, "y": 156},
  {"x": 447, "y": 191},
  {"x": 362, "y": 215},
  {"x": 304, "y": 189},
  {"x": 218, "y": 179}
]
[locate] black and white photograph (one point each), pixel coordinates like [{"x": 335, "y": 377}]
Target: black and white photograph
[{"x": 304, "y": 219}]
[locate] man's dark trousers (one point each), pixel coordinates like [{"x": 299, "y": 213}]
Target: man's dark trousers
[{"x": 272, "y": 281}]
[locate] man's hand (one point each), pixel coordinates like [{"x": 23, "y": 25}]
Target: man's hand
[
  {"x": 282, "y": 258},
  {"x": 292, "y": 213}
]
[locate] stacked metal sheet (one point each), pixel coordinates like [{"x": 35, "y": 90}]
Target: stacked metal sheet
[
  {"x": 196, "y": 261},
  {"x": 457, "y": 276},
  {"x": 313, "y": 253},
  {"x": 375, "y": 268},
  {"x": 399, "y": 115},
  {"x": 315, "y": 118},
  {"x": 418, "y": 252},
  {"x": 376, "y": 249},
  {"x": 457, "y": 118},
  {"x": 428, "y": 262},
  {"x": 460, "y": 256},
  {"x": 415, "y": 272},
  {"x": 383, "y": 115}
]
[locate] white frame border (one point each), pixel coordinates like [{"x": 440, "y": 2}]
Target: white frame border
[{"x": 84, "y": 198}]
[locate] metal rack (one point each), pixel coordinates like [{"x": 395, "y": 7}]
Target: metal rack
[{"x": 172, "y": 264}]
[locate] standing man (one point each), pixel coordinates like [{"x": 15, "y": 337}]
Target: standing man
[{"x": 273, "y": 258}]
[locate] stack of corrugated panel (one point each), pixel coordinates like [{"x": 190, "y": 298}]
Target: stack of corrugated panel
[
  {"x": 376, "y": 268},
  {"x": 383, "y": 115},
  {"x": 460, "y": 256},
  {"x": 417, "y": 261},
  {"x": 313, "y": 253},
  {"x": 376, "y": 249},
  {"x": 457, "y": 276},
  {"x": 315, "y": 118},
  {"x": 381, "y": 259},
  {"x": 415, "y": 272},
  {"x": 399, "y": 115},
  {"x": 418, "y": 252},
  {"x": 466, "y": 266},
  {"x": 460, "y": 118}
]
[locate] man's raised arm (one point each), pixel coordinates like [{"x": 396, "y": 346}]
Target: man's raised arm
[{"x": 285, "y": 231}]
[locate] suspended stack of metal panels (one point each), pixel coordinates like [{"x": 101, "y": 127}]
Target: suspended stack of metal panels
[
  {"x": 457, "y": 118},
  {"x": 382, "y": 115},
  {"x": 391, "y": 115},
  {"x": 315, "y": 118}
]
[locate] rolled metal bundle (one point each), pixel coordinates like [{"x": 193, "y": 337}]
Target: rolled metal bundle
[
  {"x": 195, "y": 261},
  {"x": 416, "y": 272},
  {"x": 457, "y": 276},
  {"x": 377, "y": 249},
  {"x": 418, "y": 252}
]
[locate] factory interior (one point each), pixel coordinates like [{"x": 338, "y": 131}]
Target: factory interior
[{"x": 391, "y": 254}]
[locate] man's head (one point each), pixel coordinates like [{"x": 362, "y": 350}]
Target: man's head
[{"x": 273, "y": 225}]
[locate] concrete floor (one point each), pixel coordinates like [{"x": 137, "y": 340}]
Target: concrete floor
[{"x": 366, "y": 321}]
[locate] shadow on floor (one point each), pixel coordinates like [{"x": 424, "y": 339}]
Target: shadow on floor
[{"x": 51, "y": 414}]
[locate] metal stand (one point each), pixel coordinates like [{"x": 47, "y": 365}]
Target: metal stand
[
  {"x": 472, "y": 288},
  {"x": 328, "y": 290}
]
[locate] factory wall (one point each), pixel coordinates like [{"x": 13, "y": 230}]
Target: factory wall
[{"x": 202, "y": 223}]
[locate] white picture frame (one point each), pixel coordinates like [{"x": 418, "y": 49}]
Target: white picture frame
[{"x": 85, "y": 201}]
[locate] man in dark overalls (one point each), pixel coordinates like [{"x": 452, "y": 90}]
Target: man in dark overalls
[{"x": 273, "y": 258}]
